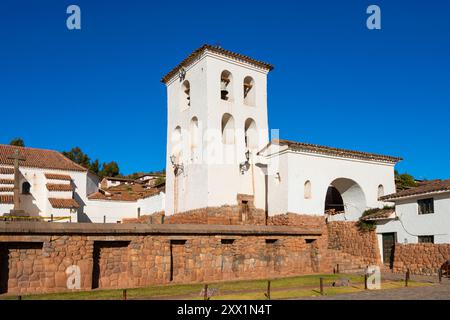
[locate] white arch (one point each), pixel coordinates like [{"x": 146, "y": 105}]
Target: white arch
[
  {"x": 194, "y": 138},
  {"x": 251, "y": 134},
  {"x": 380, "y": 191},
  {"x": 185, "y": 95},
  {"x": 307, "y": 190},
  {"x": 226, "y": 85},
  {"x": 352, "y": 195},
  {"x": 228, "y": 132},
  {"x": 249, "y": 91},
  {"x": 177, "y": 141}
]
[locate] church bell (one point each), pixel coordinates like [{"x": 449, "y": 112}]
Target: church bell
[{"x": 223, "y": 89}]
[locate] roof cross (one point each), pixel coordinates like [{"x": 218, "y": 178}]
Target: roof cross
[{"x": 17, "y": 158}]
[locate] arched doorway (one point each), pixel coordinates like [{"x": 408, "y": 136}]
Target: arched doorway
[{"x": 345, "y": 198}]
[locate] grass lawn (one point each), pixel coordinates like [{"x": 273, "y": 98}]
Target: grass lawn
[{"x": 282, "y": 288}]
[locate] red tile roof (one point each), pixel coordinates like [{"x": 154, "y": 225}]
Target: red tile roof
[
  {"x": 59, "y": 187},
  {"x": 38, "y": 158},
  {"x": 381, "y": 214},
  {"x": 6, "y": 170},
  {"x": 6, "y": 181},
  {"x": 218, "y": 50},
  {"x": 424, "y": 188},
  {"x": 314, "y": 148},
  {"x": 125, "y": 192},
  {"x": 63, "y": 203},
  {"x": 54, "y": 176},
  {"x": 9, "y": 199}
]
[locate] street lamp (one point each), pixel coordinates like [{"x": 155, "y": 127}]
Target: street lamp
[
  {"x": 244, "y": 166},
  {"x": 177, "y": 168}
]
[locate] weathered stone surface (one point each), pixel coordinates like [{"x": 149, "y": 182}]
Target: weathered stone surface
[
  {"x": 420, "y": 258},
  {"x": 121, "y": 256}
]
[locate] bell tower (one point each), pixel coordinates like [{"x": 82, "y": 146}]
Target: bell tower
[{"x": 216, "y": 124}]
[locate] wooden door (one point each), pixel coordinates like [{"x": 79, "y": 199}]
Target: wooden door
[
  {"x": 4, "y": 269},
  {"x": 388, "y": 248}
]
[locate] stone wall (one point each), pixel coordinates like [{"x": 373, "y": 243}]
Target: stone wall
[
  {"x": 345, "y": 236},
  {"x": 155, "y": 218},
  {"x": 420, "y": 258},
  {"x": 36, "y": 256},
  {"x": 224, "y": 215},
  {"x": 298, "y": 220},
  {"x": 347, "y": 248}
]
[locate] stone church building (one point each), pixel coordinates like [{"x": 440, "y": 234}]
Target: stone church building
[{"x": 54, "y": 188}]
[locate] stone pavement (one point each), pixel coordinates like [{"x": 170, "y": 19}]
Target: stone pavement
[{"x": 437, "y": 291}]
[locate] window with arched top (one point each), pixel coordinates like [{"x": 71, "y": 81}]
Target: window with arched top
[
  {"x": 380, "y": 190},
  {"x": 249, "y": 91},
  {"x": 226, "y": 85},
  {"x": 194, "y": 138},
  {"x": 26, "y": 187},
  {"x": 307, "y": 190},
  {"x": 251, "y": 134},
  {"x": 185, "y": 99},
  {"x": 228, "y": 129},
  {"x": 176, "y": 142}
]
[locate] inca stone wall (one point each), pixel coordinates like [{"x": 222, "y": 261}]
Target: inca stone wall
[
  {"x": 345, "y": 237},
  {"x": 420, "y": 258},
  {"x": 40, "y": 257},
  {"x": 225, "y": 215},
  {"x": 348, "y": 249}
]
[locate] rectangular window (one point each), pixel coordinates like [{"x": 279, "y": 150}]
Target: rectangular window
[
  {"x": 426, "y": 206},
  {"x": 426, "y": 239},
  {"x": 271, "y": 241}
]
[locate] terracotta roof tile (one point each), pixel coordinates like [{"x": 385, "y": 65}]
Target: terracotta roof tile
[
  {"x": 38, "y": 158},
  {"x": 63, "y": 203},
  {"x": 6, "y": 170},
  {"x": 381, "y": 214},
  {"x": 219, "y": 50},
  {"x": 6, "y": 199},
  {"x": 6, "y": 181},
  {"x": 59, "y": 187},
  {"x": 424, "y": 188},
  {"x": 314, "y": 148},
  {"x": 125, "y": 192},
  {"x": 54, "y": 176}
]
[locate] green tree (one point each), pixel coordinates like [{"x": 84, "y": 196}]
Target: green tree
[
  {"x": 17, "y": 142},
  {"x": 404, "y": 181},
  {"x": 110, "y": 169},
  {"x": 77, "y": 155},
  {"x": 95, "y": 166}
]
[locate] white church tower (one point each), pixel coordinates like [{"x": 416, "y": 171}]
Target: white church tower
[{"x": 217, "y": 118}]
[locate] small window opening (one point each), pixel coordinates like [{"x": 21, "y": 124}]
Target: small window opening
[{"x": 227, "y": 241}]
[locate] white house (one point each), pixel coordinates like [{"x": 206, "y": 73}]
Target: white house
[
  {"x": 422, "y": 214},
  {"x": 54, "y": 187},
  {"x": 50, "y": 184},
  {"x": 124, "y": 201},
  {"x": 108, "y": 182},
  {"x": 150, "y": 179},
  {"x": 218, "y": 150},
  {"x": 313, "y": 179}
]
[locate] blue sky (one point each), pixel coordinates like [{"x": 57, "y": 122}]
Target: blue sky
[{"x": 335, "y": 82}]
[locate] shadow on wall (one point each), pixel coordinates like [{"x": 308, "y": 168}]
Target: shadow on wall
[{"x": 81, "y": 216}]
